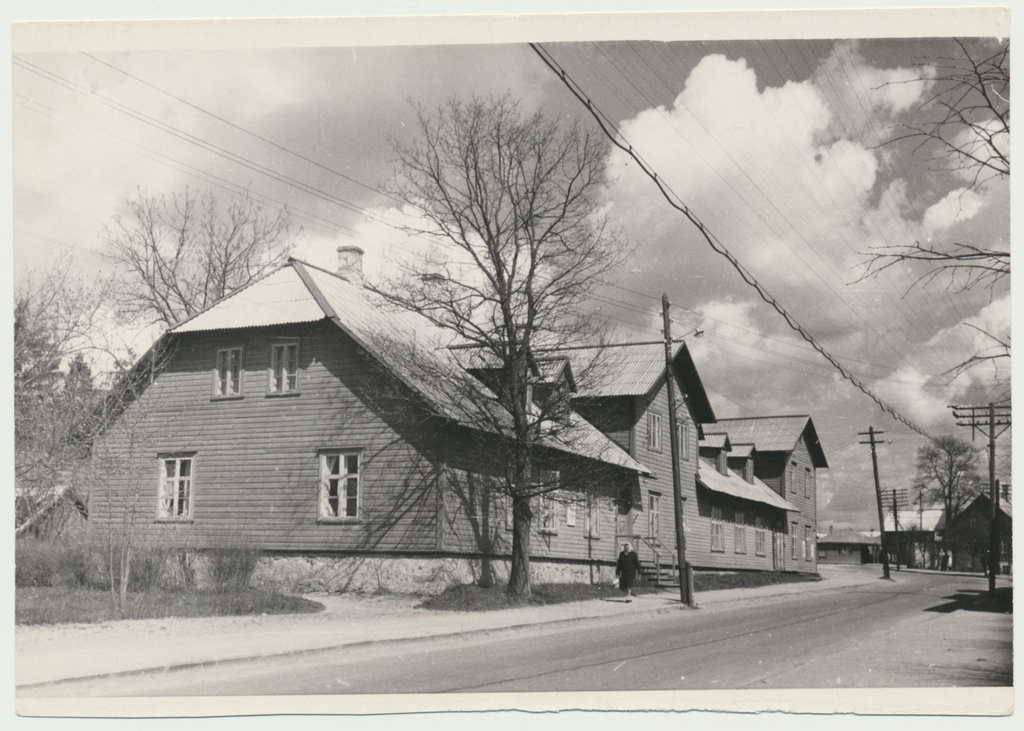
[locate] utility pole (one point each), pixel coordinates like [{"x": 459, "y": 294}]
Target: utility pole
[
  {"x": 685, "y": 572},
  {"x": 985, "y": 419},
  {"x": 871, "y": 434},
  {"x": 896, "y": 527}
]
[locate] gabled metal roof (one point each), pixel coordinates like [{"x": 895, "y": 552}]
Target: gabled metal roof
[
  {"x": 407, "y": 344},
  {"x": 635, "y": 370},
  {"x": 714, "y": 441},
  {"x": 848, "y": 537},
  {"x": 280, "y": 298},
  {"x": 774, "y": 434},
  {"x": 929, "y": 519},
  {"x": 734, "y": 485},
  {"x": 741, "y": 451}
]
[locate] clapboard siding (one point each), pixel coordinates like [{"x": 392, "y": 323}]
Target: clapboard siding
[
  {"x": 475, "y": 514},
  {"x": 698, "y": 547},
  {"x": 805, "y": 500},
  {"x": 256, "y": 468}
]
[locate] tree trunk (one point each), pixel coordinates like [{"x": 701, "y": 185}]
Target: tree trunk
[
  {"x": 126, "y": 564},
  {"x": 519, "y": 575}
]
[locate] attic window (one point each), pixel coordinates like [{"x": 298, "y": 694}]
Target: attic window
[
  {"x": 748, "y": 470},
  {"x": 283, "y": 374},
  {"x": 654, "y": 432},
  {"x": 227, "y": 376},
  {"x": 723, "y": 464},
  {"x": 684, "y": 442}
]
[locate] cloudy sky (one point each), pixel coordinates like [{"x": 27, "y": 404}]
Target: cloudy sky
[{"x": 776, "y": 145}]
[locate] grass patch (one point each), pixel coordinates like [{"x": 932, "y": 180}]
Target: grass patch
[
  {"x": 60, "y": 605},
  {"x": 472, "y": 598},
  {"x": 713, "y": 581}
]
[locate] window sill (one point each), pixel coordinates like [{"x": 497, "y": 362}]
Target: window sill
[
  {"x": 284, "y": 394},
  {"x": 593, "y": 538},
  {"x": 717, "y": 550},
  {"x": 174, "y": 520},
  {"x": 548, "y": 532},
  {"x": 338, "y": 521},
  {"x": 236, "y": 397},
  {"x": 762, "y": 554}
]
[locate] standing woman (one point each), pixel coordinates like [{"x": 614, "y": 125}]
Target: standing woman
[{"x": 627, "y": 567}]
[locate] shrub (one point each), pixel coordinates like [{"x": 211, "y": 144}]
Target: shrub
[
  {"x": 232, "y": 567},
  {"x": 35, "y": 562},
  {"x": 44, "y": 563},
  {"x": 148, "y": 570}
]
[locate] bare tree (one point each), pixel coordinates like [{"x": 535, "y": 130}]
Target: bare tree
[
  {"x": 179, "y": 254},
  {"x": 964, "y": 127},
  {"x": 947, "y": 470},
  {"x": 510, "y": 203},
  {"x": 57, "y": 324}
]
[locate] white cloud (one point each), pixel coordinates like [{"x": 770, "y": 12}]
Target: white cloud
[{"x": 957, "y": 206}]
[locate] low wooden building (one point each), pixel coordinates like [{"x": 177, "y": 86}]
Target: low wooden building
[{"x": 848, "y": 546}]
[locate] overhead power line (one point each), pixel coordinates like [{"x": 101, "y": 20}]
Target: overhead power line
[
  {"x": 249, "y": 132},
  {"x": 613, "y": 134}
]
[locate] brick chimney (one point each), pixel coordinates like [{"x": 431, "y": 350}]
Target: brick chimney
[{"x": 350, "y": 260}]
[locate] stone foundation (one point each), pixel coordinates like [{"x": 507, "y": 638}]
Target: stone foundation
[{"x": 408, "y": 575}]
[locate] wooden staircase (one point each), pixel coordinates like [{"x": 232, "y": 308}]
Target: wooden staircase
[{"x": 657, "y": 564}]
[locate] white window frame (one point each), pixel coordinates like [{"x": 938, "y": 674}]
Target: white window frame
[
  {"x": 739, "y": 532},
  {"x": 807, "y": 482},
  {"x": 791, "y": 479},
  {"x": 345, "y": 481},
  {"x": 654, "y": 431},
  {"x": 808, "y": 546},
  {"x": 654, "y": 515},
  {"x": 570, "y": 511},
  {"x": 283, "y": 370},
  {"x": 223, "y": 384},
  {"x": 717, "y": 530},
  {"x": 175, "y": 493},
  {"x": 796, "y": 542},
  {"x": 684, "y": 442},
  {"x": 548, "y": 514},
  {"x": 592, "y": 519},
  {"x": 759, "y": 536}
]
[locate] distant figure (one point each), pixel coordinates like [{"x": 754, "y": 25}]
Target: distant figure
[
  {"x": 985, "y": 563},
  {"x": 626, "y": 569}
]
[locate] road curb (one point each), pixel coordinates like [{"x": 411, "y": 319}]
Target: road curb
[
  {"x": 340, "y": 646},
  {"x": 362, "y": 643}
]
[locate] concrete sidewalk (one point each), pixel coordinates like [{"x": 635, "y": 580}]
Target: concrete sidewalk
[{"x": 46, "y": 654}]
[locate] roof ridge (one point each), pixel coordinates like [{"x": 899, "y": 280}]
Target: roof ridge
[{"x": 769, "y": 416}]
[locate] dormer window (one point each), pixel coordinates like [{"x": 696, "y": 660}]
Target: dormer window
[
  {"x": 723, "y": 465},
  {"x": 748, "y": 470}
]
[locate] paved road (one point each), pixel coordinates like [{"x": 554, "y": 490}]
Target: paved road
[{"x": 917, "y": 632}]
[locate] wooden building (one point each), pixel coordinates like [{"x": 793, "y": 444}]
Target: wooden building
[
  {"x": 848, "y": 546},
  {"x": 349, "y": 442},
  {"x": 788, "y": 455},
  {"x": 968, "y": 536}
]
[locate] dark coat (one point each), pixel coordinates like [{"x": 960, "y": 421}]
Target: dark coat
[{"x": 627, "y": 567}]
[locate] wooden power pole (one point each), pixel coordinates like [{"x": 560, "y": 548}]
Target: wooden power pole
[
  {"x": 871, "y": 434},
  {"x": 685, "y": 572},
  {"x": 985, "y": 419}
]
